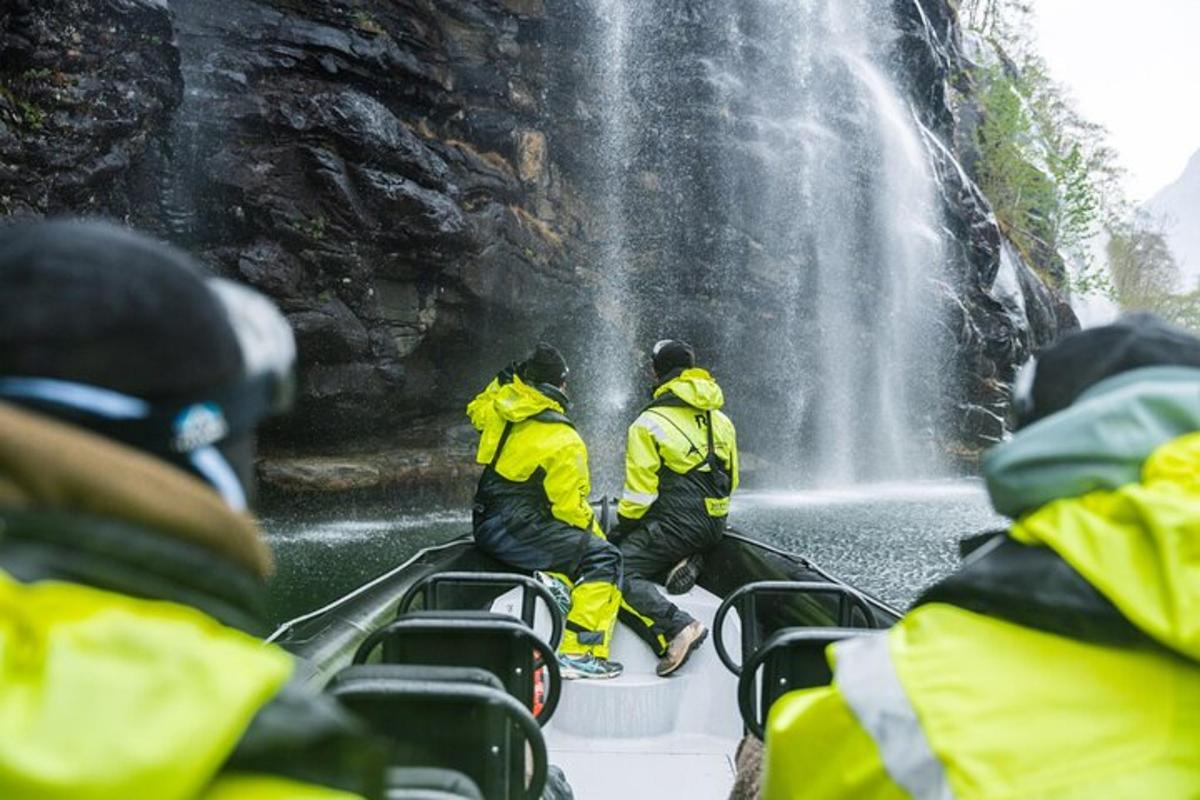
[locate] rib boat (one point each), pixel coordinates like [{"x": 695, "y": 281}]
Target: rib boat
[{"x": 450, "y": 657}]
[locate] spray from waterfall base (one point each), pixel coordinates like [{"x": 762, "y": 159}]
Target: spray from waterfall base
[{"x": 766, "y": 194}]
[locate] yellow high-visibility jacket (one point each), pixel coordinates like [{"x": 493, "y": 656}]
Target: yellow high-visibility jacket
[
  {"x": 961, "y": 701},
  {"x": 544, "y": 458},
  {"x": 108, "y": 697},
  {"x": 675, "y": 438}
]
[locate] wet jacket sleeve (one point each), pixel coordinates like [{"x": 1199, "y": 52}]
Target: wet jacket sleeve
[
  {"x": 642, "y": 463},
  {"x": 480, "y": 409},
  {"x": 568, "y": 486}
]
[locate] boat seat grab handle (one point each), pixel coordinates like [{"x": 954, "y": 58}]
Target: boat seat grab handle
[
  {"x": 793, "y": 658},
  {"x": 747, "y": 602},
  {"x": 429, "y": 589},
  {"x": 362, "y": 690},
  {"x": 521, "y": 637}
]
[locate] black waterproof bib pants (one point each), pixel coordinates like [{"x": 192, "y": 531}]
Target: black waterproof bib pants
[{"x": 676, "y": 527}]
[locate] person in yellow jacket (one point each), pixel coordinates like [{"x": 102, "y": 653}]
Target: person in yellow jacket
[
  {"x": 531, "y": 507},
  {"x": 131, "y": 574},
  {"x": 681, "y": 467},
  {"x": 1061, "y": 660}
]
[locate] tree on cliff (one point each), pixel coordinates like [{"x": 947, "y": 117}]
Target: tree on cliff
[
  {"x": 1145, "y": 276},
  {"x": 1051, "y": 175}
]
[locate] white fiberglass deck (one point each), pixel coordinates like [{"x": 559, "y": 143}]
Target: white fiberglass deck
[{"x": 641, "y": 736}]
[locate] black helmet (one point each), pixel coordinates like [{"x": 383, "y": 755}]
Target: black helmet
[
  {"x": 1063, "y": 371},
  {"x": 124, "y": 335}
]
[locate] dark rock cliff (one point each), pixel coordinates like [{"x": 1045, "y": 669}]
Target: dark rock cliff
[
  {"x": 405, "y": 177},
  {"x": 1000, "y": 310}
]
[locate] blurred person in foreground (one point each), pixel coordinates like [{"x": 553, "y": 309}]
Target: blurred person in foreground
[
  {"x": 681, "y": 467},
  {"x": 132, "y": 575},
  {"x": 531, "y": 508},
  {"x": 1060, "y": 661}
]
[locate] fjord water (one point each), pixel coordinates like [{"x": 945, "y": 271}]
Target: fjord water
[{"x": 888, "y": 539}]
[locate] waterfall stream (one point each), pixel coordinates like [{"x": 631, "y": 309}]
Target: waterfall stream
[{"x": 759, "y": 154}]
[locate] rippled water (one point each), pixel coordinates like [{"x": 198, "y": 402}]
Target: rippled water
[
  {"x": 321, "y": 557},
  {"x": 891, "y": 540},
  {"x": 888, "y": 539}
]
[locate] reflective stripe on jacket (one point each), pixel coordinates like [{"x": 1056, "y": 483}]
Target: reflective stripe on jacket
[
  {"x": 968, "y": 703},
  {"x": 675, "y": 437}
]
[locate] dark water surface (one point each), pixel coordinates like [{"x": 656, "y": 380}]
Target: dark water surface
[{"x": 888, "y": 539}]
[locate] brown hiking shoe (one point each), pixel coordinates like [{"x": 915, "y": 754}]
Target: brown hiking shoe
[{"x": 681, "y": 648}]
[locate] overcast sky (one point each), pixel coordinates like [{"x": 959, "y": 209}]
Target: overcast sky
[{"x": 1134, "y": 67}]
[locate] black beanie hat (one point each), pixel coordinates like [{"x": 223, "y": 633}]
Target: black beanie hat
[
  {"x": 672, "y": 354},
  {"x": 1066, "y": 369},
  {"x": 544, "y": 365},
  {"x": 94, "y": 303}
]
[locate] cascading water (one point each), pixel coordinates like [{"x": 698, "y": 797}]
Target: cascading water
[
  {"x": 757, "y": 154},
  {"x": 610, "y": 361}
]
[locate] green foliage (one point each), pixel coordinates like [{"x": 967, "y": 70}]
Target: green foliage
[
  {"x": 312, "y": 227},
  {"x": 1022, "y": 195},
  {"x": 1145, "y": 276},
  {"x": 32, "y": 115},
  {"x": 1182, "y": 309},
  {"x": 1054, "y": 180},
  {"x": 22, "y": 111},
  {"x": 366, "y": 23}
]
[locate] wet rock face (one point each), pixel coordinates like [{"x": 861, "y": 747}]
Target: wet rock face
[
  {"x": 87, "y": 89},
  {"x": 382, "y": 169},
  {"x": 999, "y": 309},
  {"x": 409, "y": 179}
]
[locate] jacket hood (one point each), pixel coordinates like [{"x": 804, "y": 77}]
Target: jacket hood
[
  {"x": 519, "y": 401},
  {"x": 1112, "y": 485},
  {"x": 1099, "y": 442},
  {"x": 506, "y": 399},
  {"x": 695, "y": 387}
]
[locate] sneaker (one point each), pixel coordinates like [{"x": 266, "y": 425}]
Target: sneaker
[
  {"x": 558, "y": 590},
  {"x": 587, "y": 666},
  {"x": 683, "y": 575},
  {"x": 681, "y": 648}
]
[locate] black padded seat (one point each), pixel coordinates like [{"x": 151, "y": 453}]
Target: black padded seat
[
  {"x": 450, "y": 718},
  {"x": 495, "y": 642}
]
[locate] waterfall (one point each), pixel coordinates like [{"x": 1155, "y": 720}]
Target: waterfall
[{"x": 766, "y": 193}]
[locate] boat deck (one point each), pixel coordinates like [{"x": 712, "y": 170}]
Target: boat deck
[{"x": 641, "y": 736}]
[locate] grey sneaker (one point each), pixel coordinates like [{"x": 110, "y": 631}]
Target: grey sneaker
[
  {"x": 683, "y": 575},
  {"x": 558, "y": 590},
  {"x": 587, "y": 666},
  {"x": 681, "y": 647}
]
